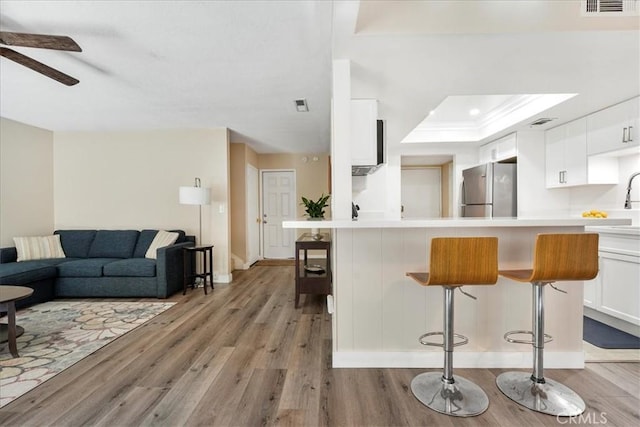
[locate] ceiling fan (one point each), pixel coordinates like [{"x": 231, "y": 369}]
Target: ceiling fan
[{"x": 43, "y": 41}]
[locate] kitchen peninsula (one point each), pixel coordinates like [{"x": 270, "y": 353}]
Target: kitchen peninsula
[{"x": 379, "y": 313}]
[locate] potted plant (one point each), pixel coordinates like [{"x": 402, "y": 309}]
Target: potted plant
[{"x": 315, "y": 211}]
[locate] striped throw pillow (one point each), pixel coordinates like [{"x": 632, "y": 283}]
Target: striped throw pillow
[
  {"x": 162, "y": 239},
  {"x": 39, "y": 247}
]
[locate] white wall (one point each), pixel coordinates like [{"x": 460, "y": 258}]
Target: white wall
[
  {"x": 534, "y": 199},
  {"x": 611, "y": 198},
  {"x": 120, "y": 180},
  {"x": 26, "y": 181}
]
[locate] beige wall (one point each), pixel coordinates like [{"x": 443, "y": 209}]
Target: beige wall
[
  {"x": 241, "y": 156},
  {"x": 446, "y": 180},
  {"x": 238, "y": 202},
  {"x": 26, "y": 181},
  {"x": 118, "y": 180}
]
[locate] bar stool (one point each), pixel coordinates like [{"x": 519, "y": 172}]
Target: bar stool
[
  {"x": 557, "y": 257},
  {"x": 455, "y": 261}
]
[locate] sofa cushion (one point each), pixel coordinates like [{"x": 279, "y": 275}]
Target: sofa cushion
[
  {"x": 76, "y": 243},
  {"x": 113, "y": 244},
  {"x": 132, "y": 267},
  {"x": 19, "y": 273},
  {"x": 38, "y": 247},
  {"x": 89, "y": 267},
  {"x": 162, "y": 239},
  {"x": 144, "y": 241},
  {"x": 147, "y": 236},
  {"x": 182, "y": 236}
]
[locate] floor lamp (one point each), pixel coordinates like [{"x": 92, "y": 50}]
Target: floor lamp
[{"x": 196, "y": 195}]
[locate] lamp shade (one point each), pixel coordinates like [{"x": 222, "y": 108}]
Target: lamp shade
[{"x": 194, "y": 196}]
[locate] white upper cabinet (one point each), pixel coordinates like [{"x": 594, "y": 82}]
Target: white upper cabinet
[
  {"x": 566, "y": 160},
  {"x": 500, "y": 149},
  {"x": 614, "y": 128},
  {"x": 566, "y": 154},
  {"x": 364, "y": 113}
]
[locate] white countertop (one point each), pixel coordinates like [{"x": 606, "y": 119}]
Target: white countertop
[
  {"x": 632, "y": 230},
  {"x": 459, "y": 222}
]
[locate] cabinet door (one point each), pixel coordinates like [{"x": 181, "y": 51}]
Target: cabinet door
[
  {"x": 633, "y": 124},
  {"x": 607, "y": 129},
  {"x": 620, "y": 293},
  {"x": 507, "y": 147},
  {"x": 554, "y": 156},
  {"x": 364, "y": 136},
  {"x": 575, "y": 153},
  {"x": 487, "y": 153}
]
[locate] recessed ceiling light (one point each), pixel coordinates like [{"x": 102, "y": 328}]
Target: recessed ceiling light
[
  {"x": 454, "y": 121},
  {"x": 432, "y": 112},
  {"x": 301, "y": 105}
]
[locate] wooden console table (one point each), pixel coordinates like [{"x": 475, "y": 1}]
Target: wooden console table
[{"x": 309, "y": 281}]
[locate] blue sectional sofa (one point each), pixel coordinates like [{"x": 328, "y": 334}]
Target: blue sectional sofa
[{"x": 99, "y": 263}]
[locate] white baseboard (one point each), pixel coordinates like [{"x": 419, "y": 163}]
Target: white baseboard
[
  {"x": 461, "y": 359},
  {"x": 223, "y": 278}
]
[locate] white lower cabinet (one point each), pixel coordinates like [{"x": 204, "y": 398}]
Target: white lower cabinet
[
  {"x": 616, "y": 290},
  {"x": 620, "y": 293}
]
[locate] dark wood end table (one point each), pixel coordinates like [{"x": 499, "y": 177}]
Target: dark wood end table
[
  {"x": 8, "y": 297},
  {"x": 191, "y": 253}
]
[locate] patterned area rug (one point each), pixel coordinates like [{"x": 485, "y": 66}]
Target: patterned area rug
[{"x": 60, "y": 333}]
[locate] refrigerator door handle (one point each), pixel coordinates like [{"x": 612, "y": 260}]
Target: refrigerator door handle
[{"x": 462, "y": 197}]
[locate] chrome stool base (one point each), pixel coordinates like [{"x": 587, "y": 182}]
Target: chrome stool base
[
  {"x": 461, "y": 399},
  {"x": 550, "y": 398}
]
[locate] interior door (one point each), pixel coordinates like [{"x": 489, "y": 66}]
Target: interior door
[
  {"x": 421, "y": 193},
  {"x": 278, "y": 204},
  {"x": 253, "y": 215}
]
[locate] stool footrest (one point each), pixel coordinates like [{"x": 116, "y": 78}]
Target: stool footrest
[
  {"x": 464, "y": 340},
  {"x": 547, "y": 337}
]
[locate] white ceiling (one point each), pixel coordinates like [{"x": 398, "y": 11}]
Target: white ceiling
[
  {"x": 170, "y": 64},
  {"x": 178, "y": 64}
]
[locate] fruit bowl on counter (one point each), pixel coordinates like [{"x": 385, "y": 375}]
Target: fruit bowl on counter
[{"x": 595, "y": 214}]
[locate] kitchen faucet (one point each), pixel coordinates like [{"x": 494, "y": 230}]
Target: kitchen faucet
[{"x": 627, "y": 201}]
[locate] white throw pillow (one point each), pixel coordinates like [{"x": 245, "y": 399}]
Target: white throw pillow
[
  {"x": 162, "y": 239},
  {"x": 39, "y": 247}
]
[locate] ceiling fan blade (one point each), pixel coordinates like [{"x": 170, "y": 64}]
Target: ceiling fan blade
[
  {"x": 39, "y": 40},
  {"x": 38, "y": 66}
]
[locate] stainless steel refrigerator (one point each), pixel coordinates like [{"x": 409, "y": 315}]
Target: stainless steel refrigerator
[{"x": 490, "y": 191}]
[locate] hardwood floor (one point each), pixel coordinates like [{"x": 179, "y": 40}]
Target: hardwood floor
[{"x": 243, "y": 356}]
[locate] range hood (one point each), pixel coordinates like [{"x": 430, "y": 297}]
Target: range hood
[{"x": 361, "y": 170}]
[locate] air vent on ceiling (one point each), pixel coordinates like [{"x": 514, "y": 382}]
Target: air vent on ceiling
[
  {"x": 541, "y": 121},
  {"x": 610, "y": 7},
  {"x": 301, "y": 105}
]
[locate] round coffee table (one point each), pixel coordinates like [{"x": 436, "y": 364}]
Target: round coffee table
[{"x": 8, "y": 297}]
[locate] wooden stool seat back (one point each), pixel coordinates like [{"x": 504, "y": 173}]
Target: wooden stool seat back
[
  {"x": 561, "y": 257},
  {"x": 457, "y": 261}
]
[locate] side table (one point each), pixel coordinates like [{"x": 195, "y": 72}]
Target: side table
[
  {"x": 191, "y": 254},
  {"x": 8, "y": 297},
  {"x": 313, "y": 275}
]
